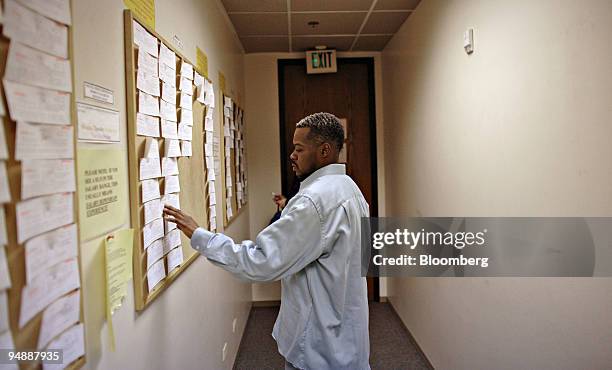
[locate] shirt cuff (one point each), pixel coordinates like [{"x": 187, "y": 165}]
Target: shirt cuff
[{"x": 200, "y": 239}]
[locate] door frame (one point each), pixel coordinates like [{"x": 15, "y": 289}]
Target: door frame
[{"x": 369, "y": 62}]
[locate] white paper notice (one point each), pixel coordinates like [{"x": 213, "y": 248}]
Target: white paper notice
[
  {"x": 5, "y": 276},
  {"x": 208, "y": 125},
  {"x": 168, "y": 111},
  {"x": 172, "y": 240},
  {"x": 169, "y": 226},
  {"x": 32, "y": 67},
  {"x": 152, "y": 231},
  {"x": 36, "y": 141},
  {"x": 35, "y": 104},
  {"x": 147, "y": 82},
  {"x": 172, "y": 199},
  {"x": 155, "y": 274},
  {"x": 58, "y": 317},
  {"x": 172, "y": 148},
  {"x": 187, "y": 70},
  {"x": 47, "y": 176},
  {"x": 23, "y": 25},
  {"x": 54, "y": 282},
  {"x": 154, "y": 252},
  {"x": 167, "y": 74},
  {"x": 186, "y": 102},
  {"x": 150, "y": 190},
  {"x": 172, "y": 185},
  {"x": 175, "y": 258},
  {"x": 58, "y": 10},
  {"x": 39, "y": 215},
  {"x": 148, "y": 104},
  {"x": 169, "y": 167},
  {"x": 212, "y": 198},
  {"x": 6, "y": 341},
  {"x": 72, "y": 343},
  {"x": 169, "y": 93},
  {"x": 208, "y": 149},
  {"x": 153, "y": 210},
  {"x": 187, "y": 117},
  {"x": 169, "y": 129},
  {"x": 186, "y": 86},
  {"x": 48, "y": 249},
  {"x": 151, "y": 148},
  {"x": 186, "y": 150},
  {"x": 145, "y": 40},
  {"x": 97, "y": 124},
  {"x": 5, "y": 191},
  {"x": 185, "y": 131},
  {"x": 4, "y": 320},
  {"x": 198, "y": 80},
  {"x": 147, "y": 64},
  {"x": 149, "y": 168},
  {"x": 147, "y": 125},
  {"x": 167, "y": 56}
]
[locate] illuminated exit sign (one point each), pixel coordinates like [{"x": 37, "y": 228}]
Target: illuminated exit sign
[{"x": 321, "y": 61}]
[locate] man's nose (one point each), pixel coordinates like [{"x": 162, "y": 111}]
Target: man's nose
[{"x": 293, "y": 156}]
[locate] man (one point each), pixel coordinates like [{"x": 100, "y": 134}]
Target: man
[{"x": 314, "y": 249}]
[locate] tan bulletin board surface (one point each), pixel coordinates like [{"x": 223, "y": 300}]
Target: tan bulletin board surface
[
  {"x": 26, "y": 333},
  {"x": 234, "y": 189},
  {"x": 192, "y": 170}
]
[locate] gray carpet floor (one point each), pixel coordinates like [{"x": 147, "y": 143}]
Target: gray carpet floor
[{"x": 391, "y": 345}]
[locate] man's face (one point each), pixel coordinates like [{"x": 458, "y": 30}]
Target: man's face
[{"x": 304, "y": 156}]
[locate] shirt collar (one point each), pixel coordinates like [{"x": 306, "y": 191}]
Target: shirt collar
[{"x": 330, "y": 169}]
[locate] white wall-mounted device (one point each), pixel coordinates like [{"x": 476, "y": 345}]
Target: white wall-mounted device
[{"x": 468, "y": 40}]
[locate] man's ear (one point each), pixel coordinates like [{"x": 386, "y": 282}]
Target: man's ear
[{"x": 325, "y": 150}]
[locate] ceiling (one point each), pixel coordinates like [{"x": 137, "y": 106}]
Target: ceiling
[{"x": 344, "y": 25}]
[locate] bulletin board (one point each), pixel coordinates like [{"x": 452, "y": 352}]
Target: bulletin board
[
  {"x": 235, "y": 189},
  {"x": 192, "y": 171},
  {"x": 39, "y": 217}
]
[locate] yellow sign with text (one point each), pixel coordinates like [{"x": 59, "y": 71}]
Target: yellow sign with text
[
  {"x": 201, "y": 62},
  {"x": 102, "y": 190},
  {"x": 221, "y": 81},
  {"x": 144, "y": 10}
]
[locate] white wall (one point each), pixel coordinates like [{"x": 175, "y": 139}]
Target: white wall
[
  {"x": 263, "y": 143},
  {"x": 519, "y": 128},
  {"x": 186, "y": 326}
]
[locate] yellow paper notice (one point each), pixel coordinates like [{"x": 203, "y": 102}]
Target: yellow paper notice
[
  {"x": 144, "y": 10},
  {"x": 102, "y": 191},
  {"x": 202, "y": 62},
  {"x": 118, "y": 260},
  {"x": 221, "y": 81}
]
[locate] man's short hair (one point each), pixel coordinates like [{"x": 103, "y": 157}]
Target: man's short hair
[{"x": 324, "y": 127}]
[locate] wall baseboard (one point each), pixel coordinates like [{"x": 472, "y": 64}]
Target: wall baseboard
[{"x": 412, "y": 339}]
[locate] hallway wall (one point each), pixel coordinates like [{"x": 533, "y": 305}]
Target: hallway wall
[
  {"x": 263, "y": 142},
  {"x": 519, "y": 128},
  {"x": 186, "y": 326}
]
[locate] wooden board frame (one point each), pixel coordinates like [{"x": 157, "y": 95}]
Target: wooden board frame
[
  {"x": 27, "y": 337},
  {"x": 192, "y": 173}
]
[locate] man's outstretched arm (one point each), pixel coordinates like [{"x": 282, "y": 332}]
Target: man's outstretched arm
[{"x": 283, "y": 248}]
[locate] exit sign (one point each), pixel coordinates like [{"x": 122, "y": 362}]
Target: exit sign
[{"x": 321, "y": 61}]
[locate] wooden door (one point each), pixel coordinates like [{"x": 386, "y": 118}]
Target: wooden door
[{"x": 348, "y": 94}]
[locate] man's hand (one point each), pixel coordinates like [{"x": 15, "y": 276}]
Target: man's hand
[
  {"x": 182, "y": 220},
  {"x": 279, "y": 200}
]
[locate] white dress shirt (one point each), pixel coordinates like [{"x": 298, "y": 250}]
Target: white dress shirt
[{"x": 314, "y": 249}]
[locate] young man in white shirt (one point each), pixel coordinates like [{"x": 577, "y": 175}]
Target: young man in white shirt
[{"x": 314, "y": 249}]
